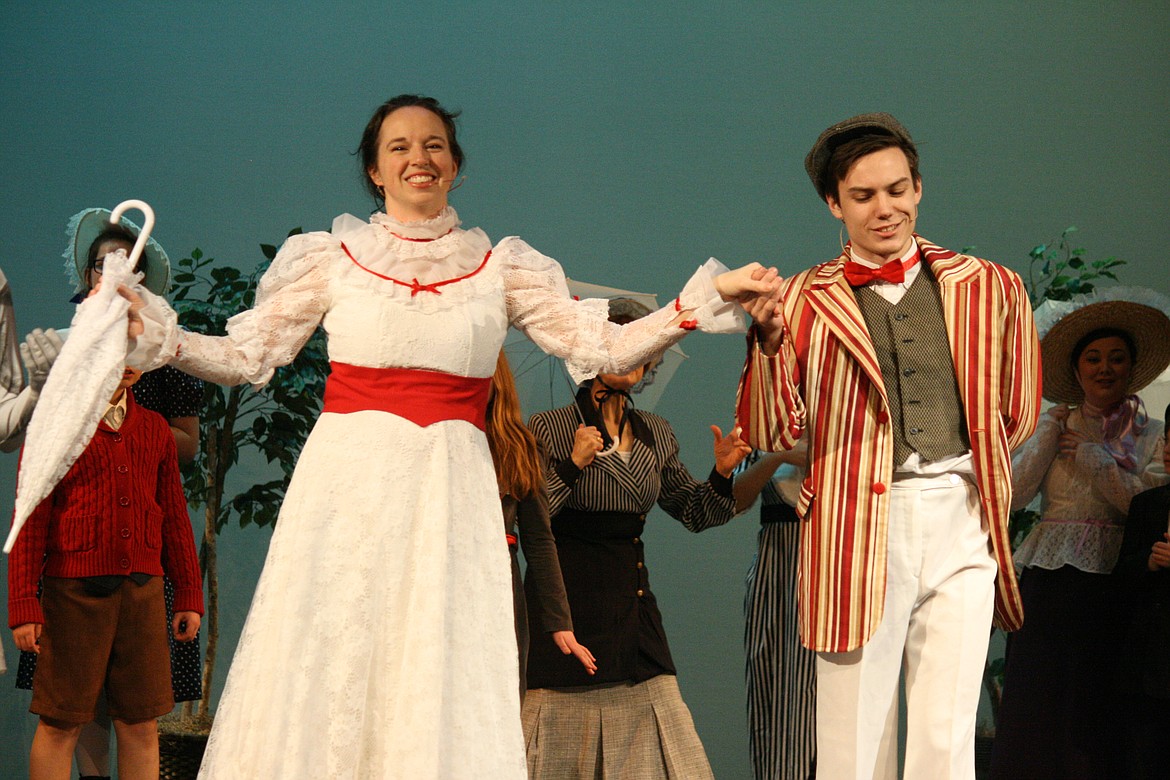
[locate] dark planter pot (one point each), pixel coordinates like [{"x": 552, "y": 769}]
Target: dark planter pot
[{"x": 179, "y": 755}]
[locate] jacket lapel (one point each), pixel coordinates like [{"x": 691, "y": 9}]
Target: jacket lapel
[
  {"x": 958, "y": 279},
  {"x": 832, "y": 299}
]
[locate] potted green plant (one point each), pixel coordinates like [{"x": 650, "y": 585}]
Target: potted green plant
[{"x": 272, "y": 422}]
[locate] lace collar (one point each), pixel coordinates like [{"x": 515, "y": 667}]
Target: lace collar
[{"x": 425, "y": 230}]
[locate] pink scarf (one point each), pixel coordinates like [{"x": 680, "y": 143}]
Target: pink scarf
[{"x": 1120, "y": 427}]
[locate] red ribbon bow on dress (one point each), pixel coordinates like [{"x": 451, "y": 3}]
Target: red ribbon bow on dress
[{"x": 857, "y": 274}]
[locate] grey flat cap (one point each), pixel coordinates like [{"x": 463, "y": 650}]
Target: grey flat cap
[{"x": 817, "y": 161}]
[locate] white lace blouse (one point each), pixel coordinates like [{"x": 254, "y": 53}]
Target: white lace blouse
[
  {"x": 420, "y": 269},
  {"x": 1084, "y": 499}
]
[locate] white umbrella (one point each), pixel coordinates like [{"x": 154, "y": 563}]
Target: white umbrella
[
  {"x": 83, "y": 378},
  {"x": 542, "y": 380}
]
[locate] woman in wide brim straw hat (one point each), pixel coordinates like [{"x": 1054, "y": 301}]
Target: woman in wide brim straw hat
[
  {"x": 1090, "y": 455},
  {"x": 178, "y": 397}
]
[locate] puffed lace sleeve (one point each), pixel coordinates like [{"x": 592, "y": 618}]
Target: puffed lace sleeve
[
  {"x": 1030, "y": 463},
  {"x": 539, "y": 305},
  {"x": 291, "y": 299}
]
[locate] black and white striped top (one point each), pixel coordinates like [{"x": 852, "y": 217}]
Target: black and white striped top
[
  {"x": 599, "y": 513},
  {"x": 652, "y": 474}
]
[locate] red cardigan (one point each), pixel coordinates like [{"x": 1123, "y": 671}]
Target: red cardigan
[{"x": 119, "y": 509}]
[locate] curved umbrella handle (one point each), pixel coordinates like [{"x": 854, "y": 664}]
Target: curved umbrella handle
[{"x": 147, "y": 225}]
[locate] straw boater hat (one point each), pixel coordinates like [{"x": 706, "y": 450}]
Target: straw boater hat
[
  {"x": 85, "y": 226},
  {"x": 816, "y": 163},
  {"x": 1139, "y": 312}
]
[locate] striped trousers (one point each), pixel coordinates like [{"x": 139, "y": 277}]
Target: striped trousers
[{"x": 781, "y": 674}]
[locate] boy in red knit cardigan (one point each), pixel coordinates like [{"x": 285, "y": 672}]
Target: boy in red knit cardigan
[{"x": 99, "y": 544}]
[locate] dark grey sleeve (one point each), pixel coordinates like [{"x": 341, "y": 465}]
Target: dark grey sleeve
[
  {"x": 540, "y": 554},
  {"x": 697, "y": 505}
]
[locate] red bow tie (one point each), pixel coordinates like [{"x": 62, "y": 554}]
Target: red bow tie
[{"x": 894, "y": 272}]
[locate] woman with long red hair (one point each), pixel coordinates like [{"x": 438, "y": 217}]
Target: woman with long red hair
[{"x": 524, "y": 499}]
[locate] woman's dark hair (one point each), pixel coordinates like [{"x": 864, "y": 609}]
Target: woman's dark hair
[
  {"x": 114, "y": 233},
  {"x": 367, "y": 149},
  {"x": 849, "y": 152},
  {"x": 1103, "y": 333}
]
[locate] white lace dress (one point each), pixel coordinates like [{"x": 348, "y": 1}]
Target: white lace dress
[
  {"x": 380, "y": 641},
  {"x": 1083, "y": 500}
]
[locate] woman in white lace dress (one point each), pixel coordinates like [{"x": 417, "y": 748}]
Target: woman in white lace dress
[
  {"x": 380, "y": 641},
  {"x": 1090, "y": 455}
]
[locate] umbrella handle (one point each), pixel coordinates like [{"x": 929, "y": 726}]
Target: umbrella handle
[{"x": 147, "y": 225}]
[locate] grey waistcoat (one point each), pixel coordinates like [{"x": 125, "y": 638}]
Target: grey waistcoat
[{"x": 910, "y": 339}]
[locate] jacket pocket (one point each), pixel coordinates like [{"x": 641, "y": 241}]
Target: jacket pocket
[
  {"x": 152, "y": 530},
  {"x": 73, "y": 533}
]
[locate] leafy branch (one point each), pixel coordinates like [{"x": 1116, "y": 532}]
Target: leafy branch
[{"x": 1059, "y": 271}]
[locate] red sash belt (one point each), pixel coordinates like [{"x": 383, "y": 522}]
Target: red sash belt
[{"x": 421, "y": 396}]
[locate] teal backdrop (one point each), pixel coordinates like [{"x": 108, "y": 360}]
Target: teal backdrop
[{"x": 629, "y": 140}]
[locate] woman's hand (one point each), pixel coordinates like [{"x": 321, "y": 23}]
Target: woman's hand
[
  {"x": 567, "y": 642},
  {"x": 730, "y": 450},
  {"x": 1160, "y": 554},
  {"x": 1068, "y": 442},
  {"x": 1059, "y": 413},
  {"x": 747, "y": 283},
  {"x": 587, "y": 442},
  {"x": 185, "y": 625},
  {"x": 764, "y": 308},
  {"x": 134, "y": 315},
  {"x": 28, "y": 637}
]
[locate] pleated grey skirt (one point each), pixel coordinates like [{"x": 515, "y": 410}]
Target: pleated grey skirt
[{"x": 624, "y": 731}]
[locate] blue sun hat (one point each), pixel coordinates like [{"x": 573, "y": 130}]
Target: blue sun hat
[{"x": 87, "y": 225}]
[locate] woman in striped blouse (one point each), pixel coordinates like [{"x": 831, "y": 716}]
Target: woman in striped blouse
[{"x": 607, "y": 465}]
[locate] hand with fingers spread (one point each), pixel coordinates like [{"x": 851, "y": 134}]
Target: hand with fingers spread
[
  {"x": 38, "y": 352},
  {"x": 730, "y": 450},
  {"x": 568, "y": 644},
  {"x": 587, "y": 442}
]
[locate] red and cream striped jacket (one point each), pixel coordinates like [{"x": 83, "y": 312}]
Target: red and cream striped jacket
[{"x": 826, "y": 378}]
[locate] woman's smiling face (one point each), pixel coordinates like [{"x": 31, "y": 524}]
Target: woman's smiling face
[{"x": 415, "y": 167}]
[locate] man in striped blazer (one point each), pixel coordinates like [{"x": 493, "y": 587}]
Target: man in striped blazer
[{"x": 915, "y": 371}]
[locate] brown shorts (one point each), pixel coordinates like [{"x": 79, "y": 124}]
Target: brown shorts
[{"x": 116, "y": 642}]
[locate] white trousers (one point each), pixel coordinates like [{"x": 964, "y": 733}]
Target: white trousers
[{"x": 940, "y": 594}]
